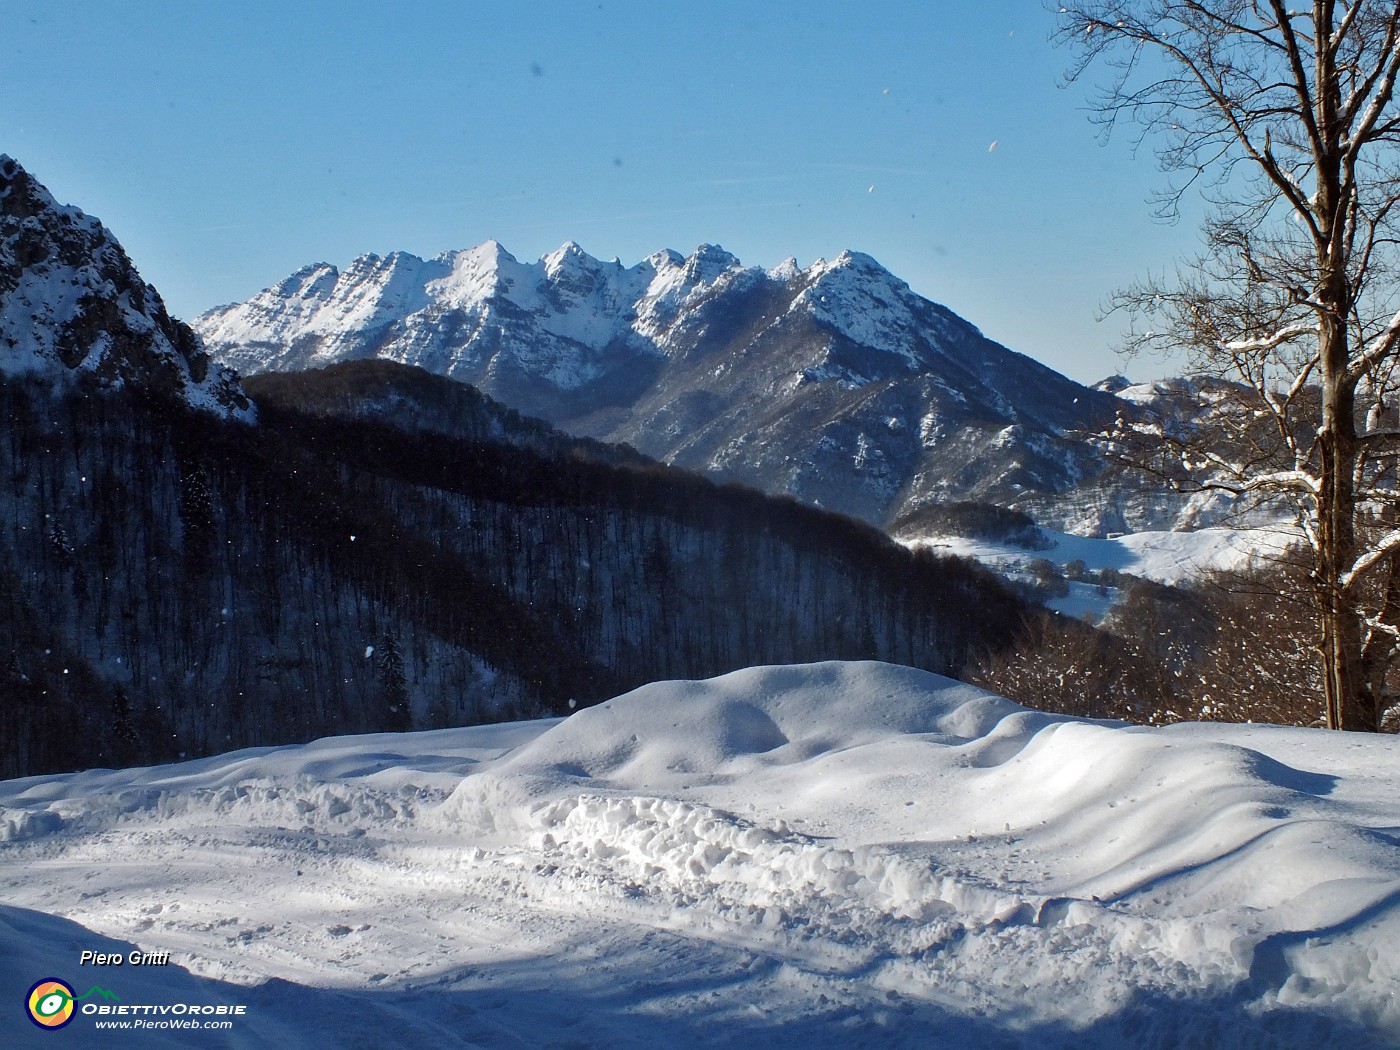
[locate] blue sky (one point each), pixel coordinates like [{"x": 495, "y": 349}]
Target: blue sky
[{"x": 228, "y": 144}]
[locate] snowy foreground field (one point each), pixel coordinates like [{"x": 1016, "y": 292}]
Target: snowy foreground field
[{"x": 836, "y": 855}]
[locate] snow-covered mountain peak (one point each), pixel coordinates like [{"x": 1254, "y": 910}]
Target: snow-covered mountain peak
[
  {"x": 1112, "y": 384},
  {"x": 71, "y": 301},
  {"x": 488, "y": 257},
  {"x": 857, "y": 297},
  {"x": 787, "y": 270},
  {"x": 472, "y": 275},
  {"x": 400, "y": 266},
  {"x": 854, "y": 273},
  {"x": 316, "y": 281},
  {"x": 23, "y": 197},
  {"x": 489, "y": 249},
  {"x": 571, "y": 277},
  {"x": 570, "y": 257},
  {"x": 857, "y": 261},
  {"x": 708, "y": 262},
  {"x": 666, "y": 259}
]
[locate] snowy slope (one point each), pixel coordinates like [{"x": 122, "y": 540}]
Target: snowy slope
[
  {"x": 1166, "y": 557},
  {"x": 831, "y": 855}
]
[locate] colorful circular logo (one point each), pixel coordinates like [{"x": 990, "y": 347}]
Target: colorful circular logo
[{"x": 50, "y": 1003}]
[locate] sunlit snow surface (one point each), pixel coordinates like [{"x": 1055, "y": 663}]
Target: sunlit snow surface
[
  {"x": 1167, "y": 557},
  {"x": 834, "y": 855}
]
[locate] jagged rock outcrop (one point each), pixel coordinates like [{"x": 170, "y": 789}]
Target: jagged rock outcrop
[{"x": 71, "y": 301}]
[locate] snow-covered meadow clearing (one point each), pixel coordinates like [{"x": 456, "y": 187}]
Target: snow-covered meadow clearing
[
  {"x": 1173, "y": 558},
  {"x": 832, "y": 855}
]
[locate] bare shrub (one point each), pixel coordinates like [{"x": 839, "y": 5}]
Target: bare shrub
[{"x": 1235, "y": 648}]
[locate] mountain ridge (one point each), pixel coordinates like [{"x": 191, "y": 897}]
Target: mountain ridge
[{"x": 835, "y": 383}]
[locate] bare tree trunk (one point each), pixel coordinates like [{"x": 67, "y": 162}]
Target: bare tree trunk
[
  {"x": 1348, "y": 700},
  {"x": 1350, "y": 704},
  {"x": 1333, "y": 531}
]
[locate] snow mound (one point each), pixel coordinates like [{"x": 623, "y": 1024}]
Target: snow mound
[
  {"x": 826, "y": 850},
  {"x": 758, "y": 716}
]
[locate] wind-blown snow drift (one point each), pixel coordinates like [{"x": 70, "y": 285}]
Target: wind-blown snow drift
[{"x": 832, "y": 855}]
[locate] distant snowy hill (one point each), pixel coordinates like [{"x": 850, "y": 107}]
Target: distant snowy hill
[
  {"x": 71, "y": 302},
  {"x": 833, "y": 383},
  {"x": 826, "y": 856}
]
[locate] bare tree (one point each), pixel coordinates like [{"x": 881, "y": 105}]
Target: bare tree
[{"x": 1285, "y": 119}]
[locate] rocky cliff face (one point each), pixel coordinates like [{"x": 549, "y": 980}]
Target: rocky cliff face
[
  {"x": 71, "y": 301},
  {"x": 834, "y": 383}
]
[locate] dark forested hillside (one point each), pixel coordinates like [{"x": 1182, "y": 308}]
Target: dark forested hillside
[
  {"x": 417, "y": 401},
  {"x": 175, "y": 583}
]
